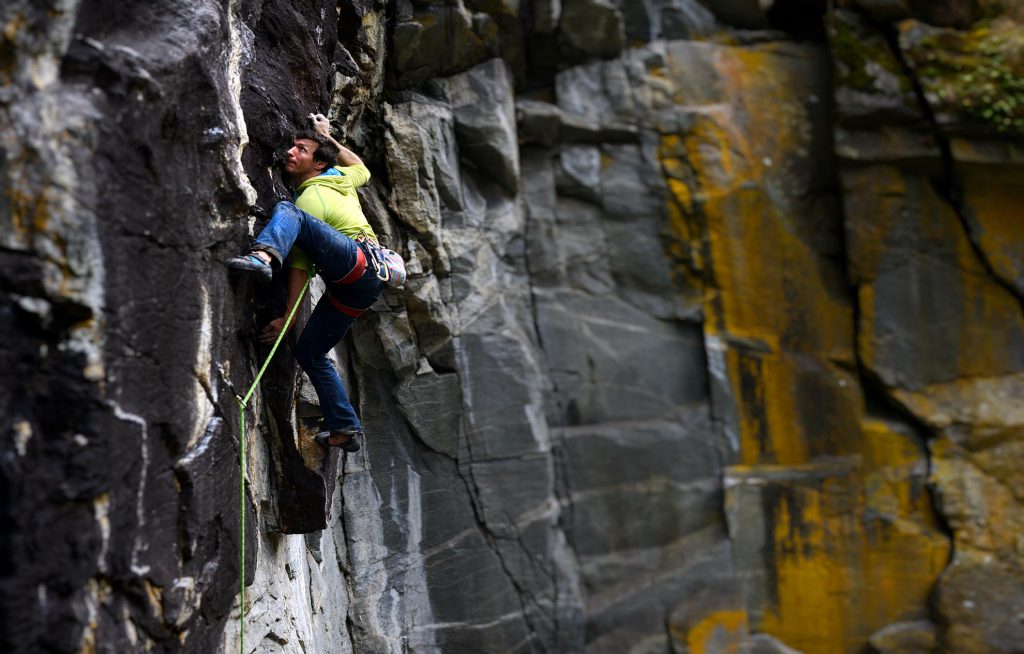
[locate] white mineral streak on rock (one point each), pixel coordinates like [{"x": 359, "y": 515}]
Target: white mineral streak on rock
[
  {"x": 723, "y": 398},
  {"x": 140, "y": 545},
  {"x": 91, "y": 600},
  {"x": 240, "y": 39},
  {"x": 101, "y": 511},
  {"x": 199, "y": 448},
  {"x": 280, "y": 615},
  {"x": 388, "y": 615},
  {"x": 415, "y": 600},
  {"x": 22, "y": 435},
  {"x": 204, "y": 390}
]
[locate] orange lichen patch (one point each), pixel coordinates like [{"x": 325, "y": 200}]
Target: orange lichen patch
[
  {"x": 9, "y": 47},
  {"x": 685, "y": 242},
  {"x": 30, "y": 213},
  {"x": 738, "y": 181},
  {"x": 993, "y": 195},
  {"x": 919, "y": 274},
  {"x": 904, "y": 549},
  {"x": 840, "y": 554},
  {"x": 722, "y": 632},
  {"x": 895, "y": 468},
  {"x": 13, "y": 26},
  {"x": 791, "y": 409}
]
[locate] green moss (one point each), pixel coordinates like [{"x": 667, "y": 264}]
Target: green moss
[
  {"x": 861, "y": 57},
  {"x": 848, "y": 53},
  {"x": 977, "y": 74}
]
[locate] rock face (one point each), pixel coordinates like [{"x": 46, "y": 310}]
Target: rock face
[{"x": 712, "y": 341}]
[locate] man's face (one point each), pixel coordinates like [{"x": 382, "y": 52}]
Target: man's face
[{"x": 298, "y": 161}]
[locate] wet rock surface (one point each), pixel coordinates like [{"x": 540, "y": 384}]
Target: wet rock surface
[{"x": 712, "y": 340}]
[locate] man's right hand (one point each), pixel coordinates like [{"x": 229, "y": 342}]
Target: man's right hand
[
  {"x": 272, "y": 330},
  {"x": 320, "y": 124}
]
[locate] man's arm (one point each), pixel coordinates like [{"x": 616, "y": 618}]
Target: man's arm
[
  {"x": 345, "y": 157},
  {"x": 296, "y": 280}
]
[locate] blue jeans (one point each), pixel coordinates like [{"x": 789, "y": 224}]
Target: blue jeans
[{"x": 335, "y": 256}]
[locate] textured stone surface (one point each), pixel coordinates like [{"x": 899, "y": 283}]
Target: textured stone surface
[
  {"x": 905, "y": 638},
  {"x": 698, "y": 352}
]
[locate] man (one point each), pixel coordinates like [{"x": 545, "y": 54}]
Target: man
[{"x": 318, "y": 233}]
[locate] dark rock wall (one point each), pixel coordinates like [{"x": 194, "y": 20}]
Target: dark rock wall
[{"x": 712, "y": 340}]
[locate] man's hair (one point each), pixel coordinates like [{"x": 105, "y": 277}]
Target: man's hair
[{"x": 325, "y": 151}]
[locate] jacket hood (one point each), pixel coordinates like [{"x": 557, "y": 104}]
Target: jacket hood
[{"x": 339, "y": 182}]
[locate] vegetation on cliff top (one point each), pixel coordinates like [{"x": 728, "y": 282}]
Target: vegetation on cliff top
[{"x": 976, "y": 75}]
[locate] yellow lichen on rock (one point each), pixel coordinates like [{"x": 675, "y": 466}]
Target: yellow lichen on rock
[
  {"x": 847, "y": 547},
  {"x": 916, "y": 269},
  {"x": 740, "y": 176},
  {"x": 722, "y": 632}
]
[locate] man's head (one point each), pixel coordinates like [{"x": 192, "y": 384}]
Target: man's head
[{"x": 311, "y": 154}]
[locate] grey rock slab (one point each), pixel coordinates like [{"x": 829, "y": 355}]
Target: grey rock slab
[
  {"x": 592, "y": 28},
  {"x": 609, "y": 361},
  {"x": 637, "y": 610},
  {"x": 579, "y": 173},
  {"x": 423, "y": 166},
  {"x": 397, "y": 341},
  {"x": 502, "y": 393},
  {"x": 765, "y": 644},
  {"x": 482, "y": 102},
  {"x": 431, "y": 403},
  {"x": 918, "y": 637},
  {"x": 604, "y": 92},
  {"x": 668, "y": 19},
  {"x": 547, "y": 124},
  {"x": 432, "y": 319},
  {"x": 748, "y": 14},
  {"x": 687, "y": 19},
  {"x": 439, "y": 39},
  {"x": 669, "y": 486},
  {"x": 538, "y": 122},
  {"x": 514, "y": 492},
  {"x": 546, "y": 14},
  {"x": 569, "y": 250},
  {"x": 679, "y": 449}
]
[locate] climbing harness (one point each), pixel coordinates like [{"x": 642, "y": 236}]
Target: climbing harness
[
  {"x": 243, "y": 402},
  {"x": 388, "y": 264}
]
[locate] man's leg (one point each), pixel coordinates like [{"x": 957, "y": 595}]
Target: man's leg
[
  {"x": 333, "y": 253},
  {"x": 324, "y": 329}
]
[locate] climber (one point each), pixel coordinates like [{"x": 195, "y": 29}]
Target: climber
[{"x": 324, "y": 230}]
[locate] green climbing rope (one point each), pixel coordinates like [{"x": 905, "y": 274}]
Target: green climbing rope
[{"x": 243, "y": 402}]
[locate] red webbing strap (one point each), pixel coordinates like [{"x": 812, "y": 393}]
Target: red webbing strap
[
  {"x": 357, "y": 272},
  {"x": 348, "y": 311}
]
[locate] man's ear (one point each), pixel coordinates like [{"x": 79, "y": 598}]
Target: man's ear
[{"x": 320, "y": 165}]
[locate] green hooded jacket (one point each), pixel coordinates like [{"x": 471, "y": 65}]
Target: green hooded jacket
[{"x": 332, "y": 198}]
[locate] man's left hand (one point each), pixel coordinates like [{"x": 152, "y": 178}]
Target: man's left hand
[{"x": 272, "y": 330}]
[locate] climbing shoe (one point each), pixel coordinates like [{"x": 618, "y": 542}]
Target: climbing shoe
[
  {"x": 251, "y": 263},
  {"x": 333, "y": 439}
]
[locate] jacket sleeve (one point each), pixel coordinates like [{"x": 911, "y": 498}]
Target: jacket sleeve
[
  {"x": 298, "y": 259},
  {"x": 359, "y": 174}
]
